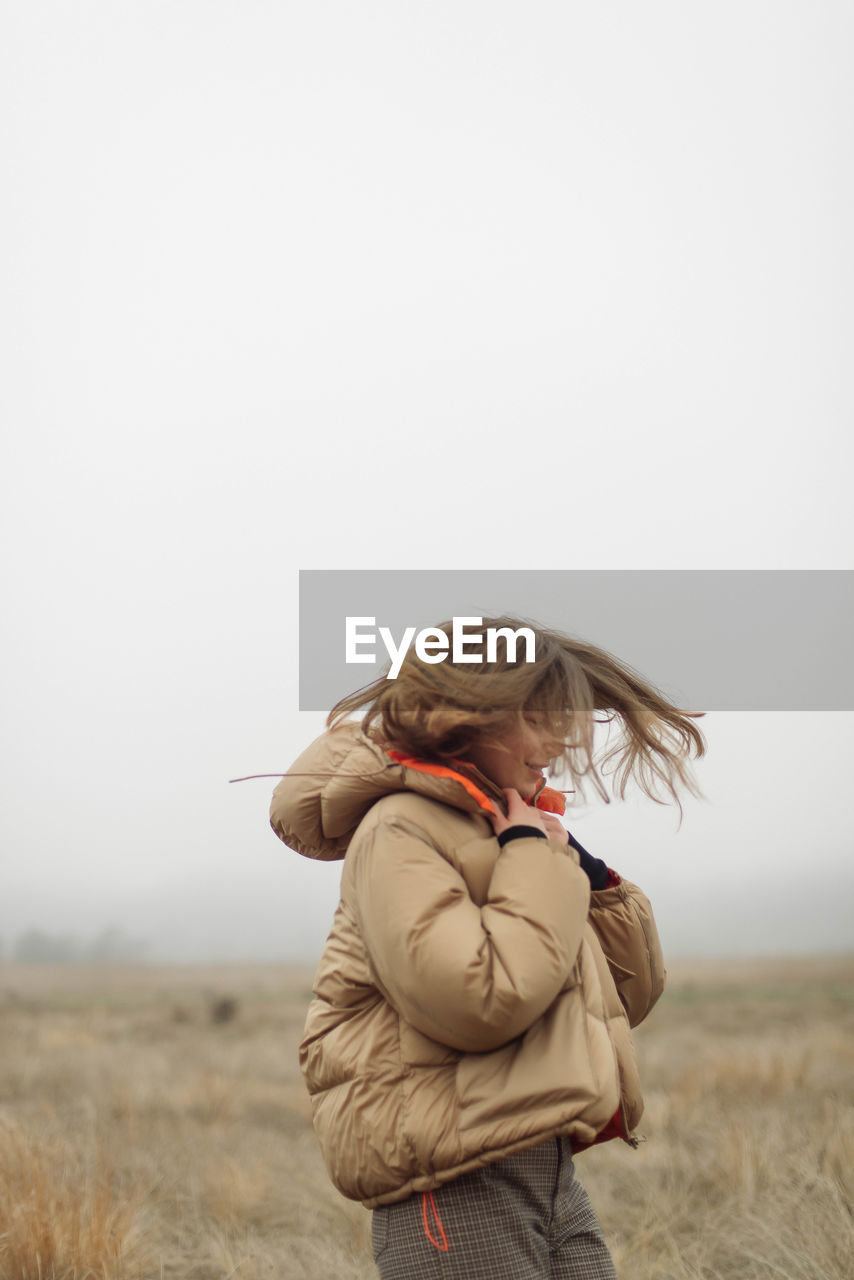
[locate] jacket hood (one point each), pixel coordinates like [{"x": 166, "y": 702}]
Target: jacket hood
[{"x": 326, "y": 793}]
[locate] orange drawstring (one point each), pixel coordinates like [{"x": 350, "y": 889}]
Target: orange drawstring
[{"x": 444, "y": 1246}]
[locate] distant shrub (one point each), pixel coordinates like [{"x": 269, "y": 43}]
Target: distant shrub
[{"x": 223, "y": 1009}]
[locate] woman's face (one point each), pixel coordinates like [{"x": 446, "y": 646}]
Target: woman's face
[{"x": 519, "y": 757}]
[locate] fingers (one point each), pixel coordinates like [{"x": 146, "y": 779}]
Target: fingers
[
  {"x": 517, "y": 811},
  {"x": 555, "y": 829},
  {"x": 520, "y": 813}
]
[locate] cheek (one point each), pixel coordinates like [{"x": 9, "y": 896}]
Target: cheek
[
  {"x": 506, "y": 769},
  {"x": 493, "y": 762}
]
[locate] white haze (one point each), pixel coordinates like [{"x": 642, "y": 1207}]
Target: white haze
[{"x": 402, "y": 286}]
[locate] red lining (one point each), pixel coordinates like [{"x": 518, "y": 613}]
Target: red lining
[{"x": 613, "y": 1129}]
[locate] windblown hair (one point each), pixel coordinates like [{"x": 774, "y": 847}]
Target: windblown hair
[{"x": 437, "y": 711}]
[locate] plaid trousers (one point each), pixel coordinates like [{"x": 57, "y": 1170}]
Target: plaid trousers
[{"x": 521, "y": 1218}]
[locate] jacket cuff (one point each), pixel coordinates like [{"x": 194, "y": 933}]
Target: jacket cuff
[
  {"x": 598, "y": 872},
  {"x": 519, "y": 832}
]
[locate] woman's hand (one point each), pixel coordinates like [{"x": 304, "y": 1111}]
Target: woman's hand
[
  {"x": 520, "y": 814},
  {"x": 555, "y": 830}
]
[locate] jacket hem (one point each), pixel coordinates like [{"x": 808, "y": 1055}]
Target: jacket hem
[{"x": 429, "y": 1182}]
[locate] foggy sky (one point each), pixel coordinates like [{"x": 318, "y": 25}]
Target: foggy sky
[{"x": 431, "y": 287}]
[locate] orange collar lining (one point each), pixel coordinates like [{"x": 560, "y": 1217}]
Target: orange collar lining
[{"x": 442, "y": 771}]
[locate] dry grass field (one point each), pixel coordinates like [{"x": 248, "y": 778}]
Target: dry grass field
[{"x": 148, "y": 1130}]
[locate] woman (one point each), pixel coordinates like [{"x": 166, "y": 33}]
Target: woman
[{"x": 469, "y": 1030}]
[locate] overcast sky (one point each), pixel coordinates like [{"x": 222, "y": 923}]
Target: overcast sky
[{"x": 427, "y": 286}]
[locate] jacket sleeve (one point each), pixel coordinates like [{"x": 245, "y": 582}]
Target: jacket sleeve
[
  {"x": 624, "y": 924},
  {"x": 470, "y": 977}
]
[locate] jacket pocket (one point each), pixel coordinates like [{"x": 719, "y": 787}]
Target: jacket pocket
[{"x": 563, "y": 1069}]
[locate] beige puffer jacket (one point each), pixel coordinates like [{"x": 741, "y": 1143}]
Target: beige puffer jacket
[{"x": 471, "y": 1000}]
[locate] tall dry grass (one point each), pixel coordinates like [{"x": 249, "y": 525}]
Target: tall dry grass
[
  {"x": 144, "y": 1137},
  {"x": 63, "y": 1212}
]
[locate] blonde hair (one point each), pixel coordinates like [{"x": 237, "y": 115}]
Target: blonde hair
[{"x": 437, "y": 711}]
